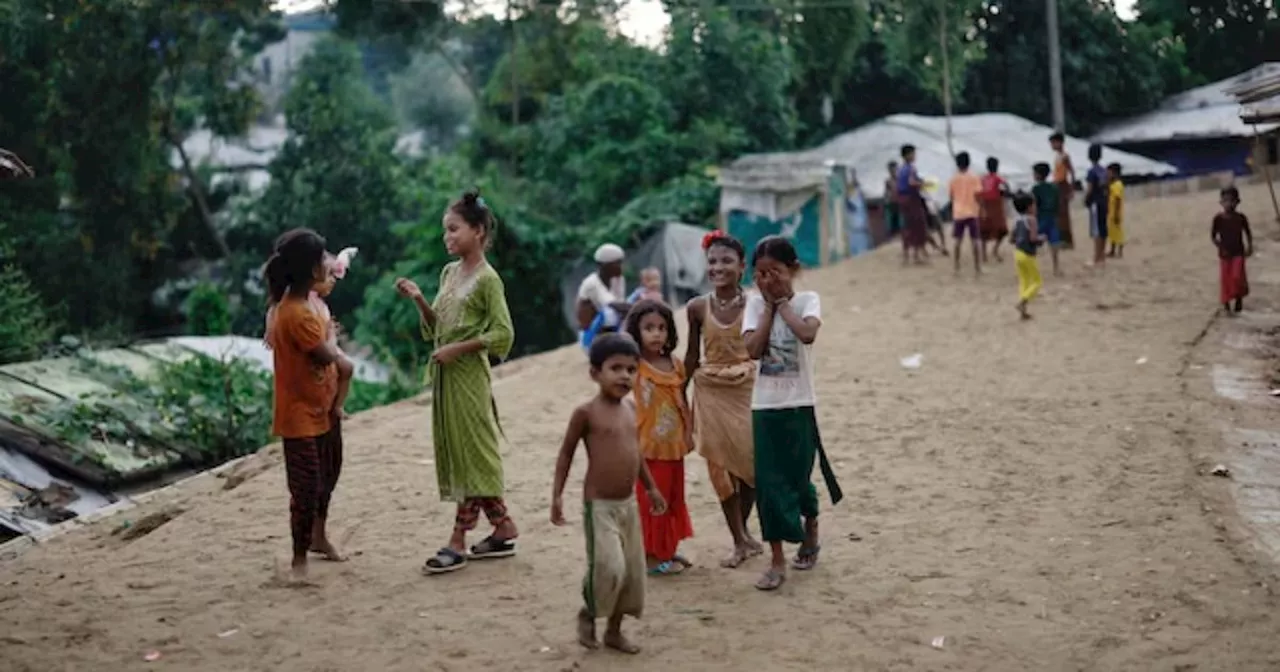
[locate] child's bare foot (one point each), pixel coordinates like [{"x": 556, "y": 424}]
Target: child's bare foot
[
  {"x": 325, "y": 549},
  {"x": 587, "y": 630},
  {"x": 736, "y": 558},
  {"x": 681, "y": 560},
  {"x": 615, "y": 640}
]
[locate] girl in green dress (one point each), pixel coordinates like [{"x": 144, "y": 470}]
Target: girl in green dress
[{"x": 468, "y": 322}]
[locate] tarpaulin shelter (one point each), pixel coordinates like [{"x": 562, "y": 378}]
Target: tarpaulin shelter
[{"x": 674, "y": 248}]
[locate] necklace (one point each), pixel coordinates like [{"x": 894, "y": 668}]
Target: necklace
[{"x": 723, "y": 304}]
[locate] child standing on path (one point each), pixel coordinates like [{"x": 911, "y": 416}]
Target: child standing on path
[
  {"x": 722, "y": 390},
  {"x": 965, "y": 188},
  {"x": 1064, "y": 176},
  {"x": 468, "y": 323},
  {"x": 992, "y": 223},
  {"x": 780, "y": 326},
  {"x": 614, "y": 584},
  {"x": 307, "y": 367},
  {"x": 892, "y": 214},
  {"x": 1115, "y": 211},
  {"x": 1234, "y": 240},
  {"x": 666, "y": 433},
  {"x": 1095, "y": 199},
  {"x": 1046, "y": 196},
  {"x": 915, "y": 218},
  {"x": 1025, "y": 241}
]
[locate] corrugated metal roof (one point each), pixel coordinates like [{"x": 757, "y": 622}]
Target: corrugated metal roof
[
  {"x": 1209, "y": 111},
  {"x": 1018, "y": 143}
]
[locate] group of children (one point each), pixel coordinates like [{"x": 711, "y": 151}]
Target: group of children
[
  {"x": 1043, "y": 215},
  {"x": 752, "y": 418}
]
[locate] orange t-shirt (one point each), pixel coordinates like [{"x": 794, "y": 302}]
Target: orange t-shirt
[
  {"x": 965, "y": 188},
  {"x": 661, "y": 412},
  {"x": 304, "y": 391}
]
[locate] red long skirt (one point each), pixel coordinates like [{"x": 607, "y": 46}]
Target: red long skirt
[
  {"x": 663, "y": 534},
  {"x": 1233, "y": 278}
]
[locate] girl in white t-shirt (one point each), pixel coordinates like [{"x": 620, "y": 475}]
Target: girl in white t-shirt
[{"x": 779, "y": 326}]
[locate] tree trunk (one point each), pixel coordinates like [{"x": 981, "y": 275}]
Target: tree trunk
[{"x": 196, "y": 189}]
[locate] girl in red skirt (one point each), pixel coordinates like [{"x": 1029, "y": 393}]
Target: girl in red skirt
[
  {"x": 665, "y": 429},
  {"x": 1234, "y": 241}
]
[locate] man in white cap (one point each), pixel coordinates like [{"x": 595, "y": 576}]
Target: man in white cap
[{"x": 600, "y": 296}]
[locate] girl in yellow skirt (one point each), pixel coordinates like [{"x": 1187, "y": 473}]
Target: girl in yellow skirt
[
  {"x": 1025, "y": 241},
  {"x": 1115, "y": 211}
]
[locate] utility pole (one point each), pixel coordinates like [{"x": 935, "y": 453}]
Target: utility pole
[
  {"x": 1055, "y": 66},
  {"x": 946, "y": 70}
]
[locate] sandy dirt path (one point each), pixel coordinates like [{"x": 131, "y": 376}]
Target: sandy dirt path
[{"x": 1030, "y": 493}]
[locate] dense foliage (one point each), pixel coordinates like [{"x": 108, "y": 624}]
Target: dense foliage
[{"x": 575, "y": 134}]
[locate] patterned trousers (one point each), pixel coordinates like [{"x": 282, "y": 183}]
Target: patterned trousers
[{"x": 312, "y": 467}]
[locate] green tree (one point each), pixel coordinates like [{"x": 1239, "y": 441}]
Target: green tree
[
  {"x": 1109, "y": 68},
  {"x": 1222, "y": 37},
  {"x": 336, "y": 172}
]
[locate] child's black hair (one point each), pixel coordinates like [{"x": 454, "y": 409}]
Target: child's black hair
[
  {"x": 645, "y": 307},
  {"x": 476, "y": 213},
  {"x": 609, "y": 345},
  {"x": 1114, "y": 168},
  {"x": 1022, "y": 202},
  {"x": 1230, "y": 192},
  {"x": 892, "y": 165},
  {"x": 778, "y": 249},
  {"x": 1057, "y": 137},
  {"x": 297, "y": 254},
  {"x": 1095, "y": 152},
  {"x": 993, "y": 164},
  {"x": 1040, "y": 170},
  {"x": 907, "y": 150},
  {"x": 728, "y": 242},
  {"x": 962, "y": 160}
]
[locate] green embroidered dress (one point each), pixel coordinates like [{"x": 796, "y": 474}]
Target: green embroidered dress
[{"x": 464, "y": 418}]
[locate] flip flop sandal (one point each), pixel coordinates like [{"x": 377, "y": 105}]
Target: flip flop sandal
[
  {"x": 806, "y": 558},
  {"x": 681, "y": 560},
  {"x": 771, "y": 580},
  {"x": 445, "y": 560},
  {"x": 666, "y": 568},
  {"x": 491, "y": 547}
]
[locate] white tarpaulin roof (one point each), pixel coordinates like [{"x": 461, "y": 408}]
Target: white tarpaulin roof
[
  {"x": 1204, "y": 112},
  {"x": 1017, "y": 142}
]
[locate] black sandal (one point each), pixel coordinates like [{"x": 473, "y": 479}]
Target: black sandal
[
  {"x": 444, "y": 561},
  {"x": 491, "y": 547}
]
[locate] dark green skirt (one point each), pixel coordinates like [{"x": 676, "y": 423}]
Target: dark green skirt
[{"x": 787, "y": 444}]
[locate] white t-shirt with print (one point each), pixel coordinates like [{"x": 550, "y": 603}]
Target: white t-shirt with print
[{"x": 784, "y": 377}]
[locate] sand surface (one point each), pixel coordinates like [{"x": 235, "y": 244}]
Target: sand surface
[{"x": 1033, "y": 493}]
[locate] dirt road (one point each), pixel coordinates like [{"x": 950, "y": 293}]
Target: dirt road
[{"x": 1031, "y": 493}]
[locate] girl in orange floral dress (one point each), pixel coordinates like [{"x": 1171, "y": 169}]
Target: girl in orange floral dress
[{"x": 665, "y": 429}]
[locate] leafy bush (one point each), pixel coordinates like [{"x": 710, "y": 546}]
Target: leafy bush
[
  {"x": 25, "y": 324},
  {"x": 207, "y": 310}
]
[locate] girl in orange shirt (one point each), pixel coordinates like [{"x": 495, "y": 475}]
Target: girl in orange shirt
[{"x": 665, "y": 429}]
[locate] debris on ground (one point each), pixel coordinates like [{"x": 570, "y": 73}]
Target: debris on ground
[
  {"x": 129, "y": 530},
  {"x": 1221, "y": 470}
]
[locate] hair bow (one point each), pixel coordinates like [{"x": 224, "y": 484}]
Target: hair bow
[
  {"x": 480, "y": 202},
  {"x": 711, "y": 237},
  {"x": 343, "y": 261}
]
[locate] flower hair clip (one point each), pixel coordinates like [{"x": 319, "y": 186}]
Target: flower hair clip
[
  {"x": 343, "y": 261},
  {"x": 711, "y": 237}
]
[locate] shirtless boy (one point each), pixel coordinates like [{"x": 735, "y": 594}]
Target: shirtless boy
[{"x": 614, "y": 584}]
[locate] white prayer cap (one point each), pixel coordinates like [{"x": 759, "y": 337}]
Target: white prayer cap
[{"x": 609, "y": 253}]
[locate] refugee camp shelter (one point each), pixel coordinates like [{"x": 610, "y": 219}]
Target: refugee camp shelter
[
  {"x": 787, "y": 181},
  {"x": 674, "y": 248},
  {"x": 1200, "y": 131},
  {"x": 792, "y": 195}
]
